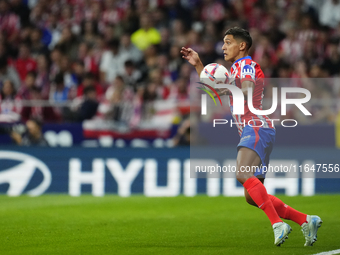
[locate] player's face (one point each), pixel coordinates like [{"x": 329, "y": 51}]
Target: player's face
[{"x": 231, "y": 48}]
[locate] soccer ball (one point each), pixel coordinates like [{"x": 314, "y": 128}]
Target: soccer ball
[{"x": 214, "y": 72}]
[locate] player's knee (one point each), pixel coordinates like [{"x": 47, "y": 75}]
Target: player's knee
[
  {"x": 240, "y": 179},
  {"x": 242, "y": 176}
]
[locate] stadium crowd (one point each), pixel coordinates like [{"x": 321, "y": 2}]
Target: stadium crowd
[{"x": 111, "y": 59}]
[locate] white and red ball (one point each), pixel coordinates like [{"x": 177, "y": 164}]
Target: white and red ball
[{"x": 213, "y": 73}]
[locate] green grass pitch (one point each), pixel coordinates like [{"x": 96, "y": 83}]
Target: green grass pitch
[{"x": 59, "y": 224}]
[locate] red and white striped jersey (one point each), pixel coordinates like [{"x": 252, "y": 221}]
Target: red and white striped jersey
[{"x": 245, "y": 69}]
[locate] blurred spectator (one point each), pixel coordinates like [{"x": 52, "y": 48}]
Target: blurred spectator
[
  {"x": 118, "y": 85},
  {"x": 131, "y": 75},
  {"x": 68, "y": 20},
  {"x": 118, "y": 101},
  {"x": 212, "y": 11},
  {"x": 311, "y": 55},
  {"x": 283, "y": 70},
  {"x": 42, "y": 81},
  {"x": 10, "y": 22},
  {"x": 36, "y": 110},
  {"x": 89, "y": 31},
  {"x": 180, "y": 90},
  {"x": 27, "y": 85},
  {"x": 164, "y": 44},
  {"x": 56, "y": 57},
  {"x": 175, "y": 11},
  {"x": 163, "y": 66},
  {"x": 59, "y": 92},
  {"x": 178, "y": 33},
  {"x": 137, "y": 108},
  {"x": 210, "y": 31},
  {"x": 160, "y": 19},
  {"x": 272, "y": 30},
  {"x": 194, "y": 41},
  {"x": 21, "y": 10},
  {"x": 68, "y": 43},
  {"x": 150, "y": 57},
  {"x": 24, "y": 63},
  {"x": 9, "y": 106},
  {"x": 37, "y": 47},
  {"x": 66, "y": 69},
  {"x": 88, "y": 107},
  {"x": 332, "y": 61},
  {"x": 209, "y": 54},
  {"x": 112, "y": 63},
  {"x": 128, "y": 49},
  {"x": 3, "y": 50},
  {"x": 112, "y": 14},
  {"x": 291, "y": 20},
  {"x": 162, "y": 90},
  {"x": 89, "y": 81},
  {"x": 290, "y": 49},
  {"x": 78, "y": 71},
  {"x": 146, "y": 35},
  {"x": 33, "y": 135},
  {"x": 8, "y": 73},
  {"x": 110, "y": 33},
  {"x": 142, "y": 6},
  {"x": 52, "y": 27},
  {"x": 330, "y": 13},
  {"x": 262, "y": 48},
  {"x": 175, "y": 62},
  {"x": 130, "y": 20},
  {"x": 307, "y": 30}
]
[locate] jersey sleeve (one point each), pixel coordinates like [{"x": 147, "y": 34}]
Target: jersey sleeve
[{"x": 248, "y": 72}]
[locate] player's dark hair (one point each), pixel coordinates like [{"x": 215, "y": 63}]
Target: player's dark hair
[{"x": 241, "y": 34}]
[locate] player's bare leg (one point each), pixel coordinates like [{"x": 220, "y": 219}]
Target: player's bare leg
[{"x": 247, "y": 160}]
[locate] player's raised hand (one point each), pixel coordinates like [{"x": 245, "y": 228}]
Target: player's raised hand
[
  {"x": 190, "y": 55},
  {"x": 193, "y": 58}
]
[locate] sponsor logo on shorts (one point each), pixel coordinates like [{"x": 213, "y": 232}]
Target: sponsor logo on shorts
[{"x": 246, "y": 137}]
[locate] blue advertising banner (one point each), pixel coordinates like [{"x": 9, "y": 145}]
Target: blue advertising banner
[{"x": 152, "y": 172}]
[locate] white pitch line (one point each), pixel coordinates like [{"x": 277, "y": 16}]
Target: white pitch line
[{"x": 328, "y": 252}]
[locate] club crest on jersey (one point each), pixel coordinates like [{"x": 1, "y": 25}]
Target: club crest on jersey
[{"x": 248, "y": 70}]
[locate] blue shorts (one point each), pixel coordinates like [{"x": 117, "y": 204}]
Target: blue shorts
[{"x": 260, "y": 140}]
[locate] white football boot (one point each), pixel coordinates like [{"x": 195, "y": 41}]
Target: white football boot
[
  {"x": 310, "y": 229},
  {"x": 281, "y": 231}
]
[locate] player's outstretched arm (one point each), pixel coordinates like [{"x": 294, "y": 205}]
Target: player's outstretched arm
[{"x": 193, "y": 59}]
